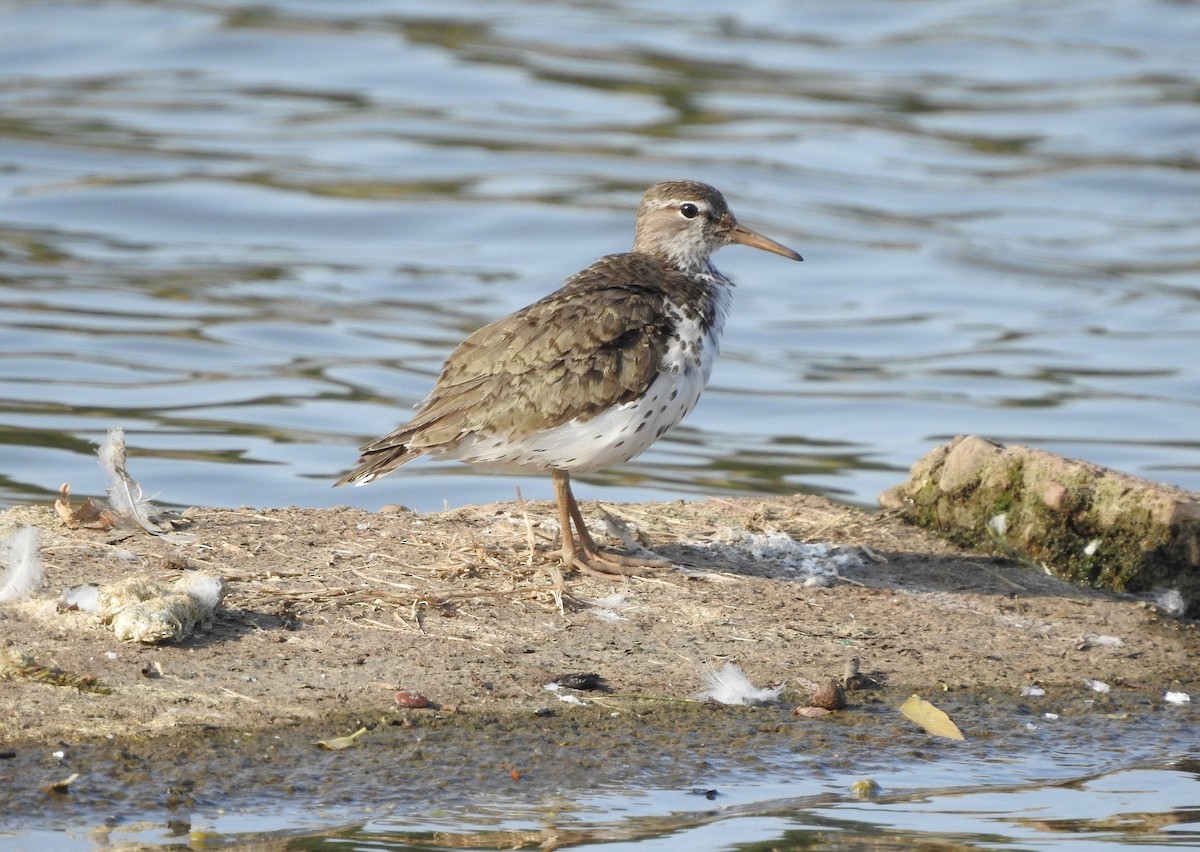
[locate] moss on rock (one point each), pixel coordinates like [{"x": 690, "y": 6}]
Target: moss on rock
[{"x": 1084, "y": 523}]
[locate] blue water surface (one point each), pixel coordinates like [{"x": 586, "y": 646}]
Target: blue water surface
[{"x": 248, "y": 234}]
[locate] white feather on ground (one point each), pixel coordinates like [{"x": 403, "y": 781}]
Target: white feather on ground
[
  {"x": 84, "y": 598},
  {"x": 22, "y": 564},
  {"x": 729, "y": 685},
  {"x": 207, "y": 589},
  {"x": 125, "y": 495}
]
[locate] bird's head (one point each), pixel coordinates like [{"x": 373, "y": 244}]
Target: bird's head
[{"x": 683, "y": 222}]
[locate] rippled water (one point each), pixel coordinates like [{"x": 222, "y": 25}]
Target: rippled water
[
  {"x": 249, "y": 233},
  {"x": 1095, "y": 776}
]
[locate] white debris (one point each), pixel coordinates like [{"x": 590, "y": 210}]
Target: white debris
[
  {"x": 208, "y": 589},
  {"x": 730, "y": 685},
  {"x": 22, "y": 563},
  {"x": 1097, "y": 685},
  {"x": 780, "y": 554},
  {"x": 606, "y": 615},
  {"x": 1171, "y": 602},
  {"x": 1033, "y": 692},
  {"x": 999, "y": 524},
  {"x": 140, "y": 610},
  {"x": 567, "y": 697},
  {"x": 125, "y": 495},
  {"x": 608, "y": 608},
  {"x": 85, "y": 598},
  {"x": 614, "y": 601},
  {"x": 1177, "y": 698}
]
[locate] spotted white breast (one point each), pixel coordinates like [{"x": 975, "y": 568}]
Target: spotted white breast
[{"x": 620, "y": 433}]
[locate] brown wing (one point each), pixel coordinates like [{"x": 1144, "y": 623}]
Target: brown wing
[{"x": 596, "y": 341}]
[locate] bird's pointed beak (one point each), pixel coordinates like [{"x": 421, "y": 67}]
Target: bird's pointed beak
[{"x": 746, "y": 237}]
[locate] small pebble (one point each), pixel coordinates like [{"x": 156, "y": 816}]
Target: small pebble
[
  {"x": 864, "y": 788},
  {"x": 414, "y": 700}
]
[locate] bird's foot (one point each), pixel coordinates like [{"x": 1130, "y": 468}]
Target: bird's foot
[{"x": 607, "y": 563}]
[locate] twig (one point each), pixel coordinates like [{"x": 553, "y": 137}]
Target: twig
[{"x": 530, "y": 537}]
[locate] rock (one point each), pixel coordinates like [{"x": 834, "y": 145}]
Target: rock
[
  {"x": 1084, "y": 523},
  {"x": 829, "y": 696}
]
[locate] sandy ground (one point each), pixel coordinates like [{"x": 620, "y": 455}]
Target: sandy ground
[{"x": 332, "y": 612}]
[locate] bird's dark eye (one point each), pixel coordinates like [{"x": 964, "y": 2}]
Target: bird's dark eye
[{"x": 689, "y": 210}]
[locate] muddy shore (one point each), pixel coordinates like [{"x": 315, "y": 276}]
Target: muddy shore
[{"x": 330, "y": 613}]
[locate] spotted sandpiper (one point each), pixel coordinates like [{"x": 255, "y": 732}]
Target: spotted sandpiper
[{"x": 592, "y": 374}]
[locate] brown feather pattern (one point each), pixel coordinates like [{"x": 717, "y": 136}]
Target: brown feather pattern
[
  {"x": 593, "y": 345},
  {"x": 560, "y": 359}
]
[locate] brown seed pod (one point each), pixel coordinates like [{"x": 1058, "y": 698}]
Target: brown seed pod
[{"x": 414, "y": 700}]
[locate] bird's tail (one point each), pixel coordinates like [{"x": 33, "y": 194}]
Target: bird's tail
[{"x": 374, "y": 463}]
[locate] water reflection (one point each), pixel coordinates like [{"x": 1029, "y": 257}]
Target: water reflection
[
  {"x": 248, "y": 234},
  {"x": 739, "y": 780}
]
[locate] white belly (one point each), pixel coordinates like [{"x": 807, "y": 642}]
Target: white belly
[{"x": 620, "y": 433}]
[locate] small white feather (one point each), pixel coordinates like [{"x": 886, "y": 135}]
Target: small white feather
[
  {"x": 23, "y": 564},
  {"x": 126, "y": 496},
  {"x": 112, "y": 453},
  {"x": 207, "y": 590},
  {"x": 85, "y": 598},
  {"x": 1171, "y": 601},
  {"x": 730, "y": 685},
  {"x": 123, "y": 492}
]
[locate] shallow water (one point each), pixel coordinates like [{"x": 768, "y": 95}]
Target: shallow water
[
  {"x": 658, "y": 778},
  {"x": 249, "y": 233}
]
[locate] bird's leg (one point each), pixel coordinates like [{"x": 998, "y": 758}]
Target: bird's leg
[
  {"x": 566, "y": 502},
  {"x": 588, "y": 557}
]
